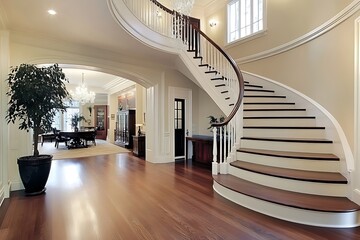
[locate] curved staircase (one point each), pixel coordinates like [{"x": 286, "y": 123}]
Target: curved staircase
[
  {"x": 285, "y": 165},
  {"x": 275, "y": 156}
]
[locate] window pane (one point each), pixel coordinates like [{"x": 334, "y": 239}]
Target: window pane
[
  {"x": 256, "y": 27},
  {"x": 255, "y": 11},
  {"x": 179, "y": 124}
]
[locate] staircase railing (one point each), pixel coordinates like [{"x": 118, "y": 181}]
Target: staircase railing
[{"x": 175, "y": 25}]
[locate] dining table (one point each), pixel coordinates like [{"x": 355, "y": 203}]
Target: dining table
[{"x": 79, "y": 139}]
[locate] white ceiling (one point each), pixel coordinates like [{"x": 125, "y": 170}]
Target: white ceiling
[
  {"x": 84, "y": 22},
  {"x": 91, "y": 78}
]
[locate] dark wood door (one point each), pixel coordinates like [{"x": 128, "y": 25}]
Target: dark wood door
[
  {"x": 101, "y": 121},
  {"x": 179, "y": 124}
]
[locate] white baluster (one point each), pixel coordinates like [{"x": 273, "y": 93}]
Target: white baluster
[
  {"x": 220, "y": 146},
  {"x": 215, "y": 167},
  {"x": 223, "y": 164}
]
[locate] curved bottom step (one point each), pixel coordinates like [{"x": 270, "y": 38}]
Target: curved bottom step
[{"x": 334, "y": 219}]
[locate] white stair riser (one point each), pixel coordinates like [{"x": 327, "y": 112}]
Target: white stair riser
[
  {"x": 288, "y": 146},
  {"x": 288, "y": 133},
  {"x": 324, "y": 189},
  {"x": 308, "y": 217},
  {"x": 273, "y": 113},
  {"x": 291, "y": 163},
  {"x": 263, "y": 99},
  {"x": 281, "y": 122},
  {"x": 268, "y": 106}
]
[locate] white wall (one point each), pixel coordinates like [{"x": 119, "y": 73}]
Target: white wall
[{"x": 4, "y": 155}]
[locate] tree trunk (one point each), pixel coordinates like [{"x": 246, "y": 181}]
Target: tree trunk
[{"x": 36, "y": 140}]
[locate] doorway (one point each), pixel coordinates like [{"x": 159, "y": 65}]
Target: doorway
[{"x": 179, "y": 127}]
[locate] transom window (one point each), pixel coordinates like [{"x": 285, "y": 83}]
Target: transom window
[{"x": 245, "y": 17}]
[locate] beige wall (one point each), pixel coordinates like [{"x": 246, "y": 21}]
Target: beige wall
[
  {"x": 322, "y": 69},
  {"x": 286, "y": 20},
  {"x": 202, "y": 107},
  {"x": 207, "y": 108}
]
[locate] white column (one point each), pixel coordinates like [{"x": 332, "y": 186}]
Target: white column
[{"x": 4, "y": 130}]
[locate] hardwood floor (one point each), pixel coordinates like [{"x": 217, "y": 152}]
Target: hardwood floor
[{"x": 124, "y": 197}]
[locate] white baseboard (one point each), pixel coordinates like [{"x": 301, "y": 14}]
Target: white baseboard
[
  {"x": 16, "y": 185},
  {"x": 2, "y": 195}
]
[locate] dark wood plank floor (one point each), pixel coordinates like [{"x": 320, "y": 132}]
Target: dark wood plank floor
[{"x": 123, "y": 197}]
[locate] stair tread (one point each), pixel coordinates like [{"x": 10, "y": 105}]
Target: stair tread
[
  {"x": 253, "y": 85},
  {"x": 273, "y": 109},
  {"x": 286, "y": 154},
  {"x": 282, "y": 127},
  {"x": 287, "y": 198},
  {"x": 264, "y": 96},
  {"x": 279, "y": 117},
  {"x": 258, "y": 90},
  {"x": 301, "y": 175},
  {"x": 305, "y": 140},
  {"x": 269, "y": 103}
]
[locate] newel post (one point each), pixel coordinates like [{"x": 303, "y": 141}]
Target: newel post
[{"x": 215, "y": 167}]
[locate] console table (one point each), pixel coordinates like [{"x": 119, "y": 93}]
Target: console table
[
  {"x": 202, "y": 148},
  {"x": 139, "y": 145}
]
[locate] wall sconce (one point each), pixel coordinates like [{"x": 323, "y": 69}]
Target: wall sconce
[{"x": 212, "y": 23}]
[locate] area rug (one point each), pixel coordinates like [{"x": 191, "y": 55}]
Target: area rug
[{"x": 102, "y": 148}]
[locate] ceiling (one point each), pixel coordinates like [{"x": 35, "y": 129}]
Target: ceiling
[{"x": 84, "y": 22}]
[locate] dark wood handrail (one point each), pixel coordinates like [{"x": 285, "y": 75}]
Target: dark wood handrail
[
  {"x": 162, "y": 7},
  {"x": 238, "y": 74},
  {"x": 230, "y": 59}
]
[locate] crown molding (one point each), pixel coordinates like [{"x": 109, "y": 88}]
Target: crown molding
[{"x": 346, "y": 13}]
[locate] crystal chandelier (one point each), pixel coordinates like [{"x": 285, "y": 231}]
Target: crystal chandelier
[
  {"x": 81, "y": 94},
  {"x": 183, "y": 6}
]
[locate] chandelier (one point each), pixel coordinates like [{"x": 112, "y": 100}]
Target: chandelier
[
  {"x": 81, "y": 94},
  {"x": 183, "y": 6}
]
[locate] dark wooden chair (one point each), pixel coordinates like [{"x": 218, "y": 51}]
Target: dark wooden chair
[
  {"x": 90, "y": 137},
  {"x": 59, "y": 138}
]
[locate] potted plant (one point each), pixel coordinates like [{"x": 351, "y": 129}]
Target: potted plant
[
  {"x": 75, "y": 119},
  {"x": 36, "y": 94},
  {"x": 215, "y": 120}
]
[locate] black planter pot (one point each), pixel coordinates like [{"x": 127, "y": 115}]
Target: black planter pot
[{"x": 34, "y": 173}]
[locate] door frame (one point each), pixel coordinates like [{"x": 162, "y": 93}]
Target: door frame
[
  {"x": 186, "y": 94},
  {"x": 355, "y": 174}
]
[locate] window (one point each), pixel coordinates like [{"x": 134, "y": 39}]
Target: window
[
  {"x": 62, "y": 121},
  {"x": 245, "y": 17}
]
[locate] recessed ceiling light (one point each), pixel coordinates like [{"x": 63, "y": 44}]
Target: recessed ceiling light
[{"x": 51, "y": 11}]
